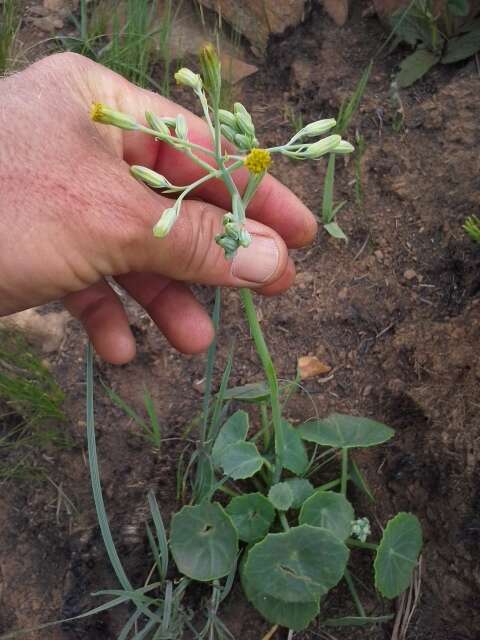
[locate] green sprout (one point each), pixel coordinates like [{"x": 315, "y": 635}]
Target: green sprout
[{"x": 472, "y": 227}]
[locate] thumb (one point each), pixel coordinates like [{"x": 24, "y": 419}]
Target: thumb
[{"x": 189, "y": 252}]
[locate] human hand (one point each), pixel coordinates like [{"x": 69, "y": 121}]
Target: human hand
[{"x": 71, "y": 214}]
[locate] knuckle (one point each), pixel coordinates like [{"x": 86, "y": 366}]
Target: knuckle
[{"x": 200, "y": 250}]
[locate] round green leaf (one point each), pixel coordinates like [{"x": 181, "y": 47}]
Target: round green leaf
[
  {"x": 252, "y": 514},
  {"x": 301, "y": 489},
  {"x": 345, "y": 432},
  {"x": 203, "y": 542},
  {"x": 329, "y": 510},
  {"x": 240, "y": 460},
  {"x": 294, "y": 615},
  {"x": 397, "y": 554},
  {"x": 297, "y": 566},
  {"x": 281, "y": 496},
  {"x": 234, "y": 430}
]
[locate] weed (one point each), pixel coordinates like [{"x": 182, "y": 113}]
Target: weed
[
  {"x": 31, "y": 403},
  {"x": 134, "y": 45},
  {"x": 445, "y": 36},
  {"x": 9, "y": 25},
  {"x": 472, "y": 227}
]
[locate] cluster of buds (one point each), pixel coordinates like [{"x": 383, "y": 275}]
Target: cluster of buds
[
  {"x": 361, "y": 529},
  {"x": 237, "y": 127}
]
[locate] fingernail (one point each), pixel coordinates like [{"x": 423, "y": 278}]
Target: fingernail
[{"x": 258, "y": 262}]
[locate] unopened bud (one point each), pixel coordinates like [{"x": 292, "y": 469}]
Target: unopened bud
[
  {"x": 320, "y": 148},
  {"x": 166, "y": 222},
  {"x": 344, "y": 148},
  {"x": 242, "y": 141},
  {"x": 152, "y": 178},
  {"x": 100, "y": 113},
  {"x": 228, "y": 132},
  {"x": 181, "y": 128},
  {"x": 317, "y": 128},
  {"x": 227, "y": 117},
  {"x": 243, "y": 119},
  {"x": 189, "y": 79},
  {"x": 156, "y": 123},
  {"x": 245, "y": 239}
]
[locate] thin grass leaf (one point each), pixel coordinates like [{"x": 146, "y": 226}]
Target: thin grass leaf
[
  {"x": 349, "y": 107},
  {"x": 131, "y": 413},
  {"x": 155, "y": 429},
  {"x": 167, "y": 606},
  {"x": 124, "y": 633},
  {"x": 95, "y": 481},
  {"x": 220, "y": 397},
  {"x": 212, "y": 350},
  {"x": 327, "y": 202},
  {"x": 141, "y": 635},
  {"x": 161, "y": 534}
]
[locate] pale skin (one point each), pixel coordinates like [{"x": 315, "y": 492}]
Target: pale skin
[{"x": 71, "y": 214}]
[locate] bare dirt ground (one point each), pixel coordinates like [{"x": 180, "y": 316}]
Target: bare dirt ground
[{"x": 395, "y": 312}]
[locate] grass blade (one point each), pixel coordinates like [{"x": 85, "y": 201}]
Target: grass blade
[{"x": 161, "y": 534}]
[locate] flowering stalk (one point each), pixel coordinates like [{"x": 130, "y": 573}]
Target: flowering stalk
[{"x": 238, "y": 129}]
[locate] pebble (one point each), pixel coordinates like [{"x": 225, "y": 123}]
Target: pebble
[{"x": 410, "y": 274}]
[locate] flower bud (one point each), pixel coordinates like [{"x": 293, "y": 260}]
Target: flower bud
[
  {"x": 317, "y": 128},
  {"x": 181, "y": 128},
  {"x": 189, "y": 79},
  {"x": 344, "y": 148},
  {"x": 156, "y": 123},
  {"x": 243, "y": 119},
  {"x": 210, "y": 66},
  {"x": 227, "y": 117},
  {"x": 242, "y": 141},
  {"x": 101, "y": 113},
  {"x": 229, "y": 245},
  {"x": 152, "y": 178},
  {"x": 320, "y": 148},
  {"x": 245, "y": 239},
  {"x": 228, "y": 132},
  {"x": 166, "y": 222}
]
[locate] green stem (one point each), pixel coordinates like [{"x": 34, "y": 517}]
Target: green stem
[
  {"x": 271, "y": 375},
  {"x": 353, "y": 591},
  {"x": 328, "y": 485},
  {"x": 265, "y": 425},
  {"x": 344, "y": 477},
  {"x": 283, "y": 520},
  {"x": 228, "y": 491},
  {"x": 361, "y": 545}
]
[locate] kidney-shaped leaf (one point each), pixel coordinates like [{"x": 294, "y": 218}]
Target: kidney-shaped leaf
[
  {"x": 345, "y": 432},
  {"x": 301, "y": 489},
  {"x": 234, "y": 430},
  {"x": 295, "y": 457},
  {"x": 397, "y": 554},
  {"x": 462, "y": 47},
  {"x": 252, "y": 514},
  {"x": 329, "y": 510},
  {"x": 294, "y": 615},
  {"x": 203, "y": 541},
  {"x": 299, "y": 565},
  {"x": 281, "y": 496},
  {"x": 241, "y": 460}
]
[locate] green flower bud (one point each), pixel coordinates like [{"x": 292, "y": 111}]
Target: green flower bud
[
  {"x": 152, "y": 178},
  {"x": 320, "y": 148},
  {"x": 228, "y": 132},
  {"x": 210, "y": 66},
  {"x": 101, "y": 113},
  {"x": 243, "y": 119},
  {"x": 227, "y": 117},
  {"x": 189, "y": 79},
  {"x": 344, "y": 148},
  {"x": 156, "y": 123},
  {"x": 317, "y": 128},
  {"x": 229, "y": 245},
  {"x": 181, "y": 129},
  {"x": 245, "y": 239},
  {"x": 166, "y": 222},
  {"x": 242, "y": 141}
]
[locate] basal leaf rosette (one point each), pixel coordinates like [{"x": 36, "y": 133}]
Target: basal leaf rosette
[{"x": 252, "y": 515}]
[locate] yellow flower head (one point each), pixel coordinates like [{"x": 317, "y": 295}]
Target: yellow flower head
[
  {"x": 101, "y": 113},
  {"x": 258, "y": 161}
]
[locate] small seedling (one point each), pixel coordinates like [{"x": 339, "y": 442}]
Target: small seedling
[
  {"x": 444, "y": 36},
  {"x": 472, "y": 227}
]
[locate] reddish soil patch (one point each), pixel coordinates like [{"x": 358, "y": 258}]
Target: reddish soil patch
[{"x": 404, "y": 351}]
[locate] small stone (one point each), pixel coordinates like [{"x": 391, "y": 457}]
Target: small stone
[
  {"x": 337, "y": 10},
  {"x": 410, "y": 274},
  {"x": 47, "y": 331},
  {"x": 343, "y": 294},
  {"x": 311, "y": 366},
  {"x": 199, "y": 385},
  {"x": 55, "y": 5},
  {"x": 47, "y": 24},
  {"x": 378, "y": 254}
]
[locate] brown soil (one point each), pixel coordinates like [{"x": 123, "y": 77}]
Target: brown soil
[{"x": 403, "y": 350}]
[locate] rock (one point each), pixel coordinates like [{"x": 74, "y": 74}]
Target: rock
[
  {"x": 258, "y": 20},
  {"x": 337, "y": 10},
  {"x": 46, "y": 331},
  {"x": 47, "y": 24},
  {"x": 311, "y": 366},
  {"x": 410, "y": 274},
  {"x": 199, "y": 385},
  {"x": 235, "y": 70},
  {"x": 55, "y": 5}
]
